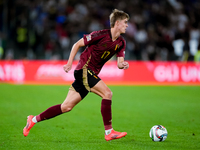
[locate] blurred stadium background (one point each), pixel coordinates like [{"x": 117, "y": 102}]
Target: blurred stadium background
[{"x": 166, "y": 30}]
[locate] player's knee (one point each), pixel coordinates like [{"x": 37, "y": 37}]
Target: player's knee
[
  {"x": 108, "y": 94},
  {"x": 65, "y": 108}
]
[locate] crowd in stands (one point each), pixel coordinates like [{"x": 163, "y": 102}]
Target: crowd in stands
[{"x": 164, "y": 30}]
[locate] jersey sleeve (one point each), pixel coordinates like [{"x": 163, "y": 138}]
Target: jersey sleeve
[
  {"x": 91, "y": 38},
  {"x": 121, "y": 52}
]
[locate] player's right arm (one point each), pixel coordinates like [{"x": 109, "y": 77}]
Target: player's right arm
[{"x": 74, "y": 50}]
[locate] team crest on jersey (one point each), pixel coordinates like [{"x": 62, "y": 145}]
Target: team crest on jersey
[
  {"x": 88, "y": 37},
  {"x": 116, "y": 47}
]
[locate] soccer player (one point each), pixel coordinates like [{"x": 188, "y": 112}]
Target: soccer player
[{"x": 100, "y": 47}]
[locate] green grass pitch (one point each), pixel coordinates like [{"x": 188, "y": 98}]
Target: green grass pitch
[{"x": 135, "y": 110}]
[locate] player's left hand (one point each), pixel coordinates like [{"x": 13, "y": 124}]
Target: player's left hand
[{"x": 125, "y": 65}]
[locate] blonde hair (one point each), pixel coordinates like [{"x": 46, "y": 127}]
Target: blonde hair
[{"x": 117, "y": 15}]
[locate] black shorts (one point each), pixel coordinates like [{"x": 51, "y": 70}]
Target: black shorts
[{"x": 84, "y": 80}]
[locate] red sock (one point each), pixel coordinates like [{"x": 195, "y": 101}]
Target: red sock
[
  {"x": 49, "y": 113},
  {"x": 106, "y": 113}
]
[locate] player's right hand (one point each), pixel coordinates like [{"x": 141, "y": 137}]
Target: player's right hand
[{"x": 67, "y": 68}]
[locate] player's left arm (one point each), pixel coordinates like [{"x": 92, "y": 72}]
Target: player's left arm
[{"x": 121, "y": 63}]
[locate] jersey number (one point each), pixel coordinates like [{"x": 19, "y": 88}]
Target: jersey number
[{"x": 105, "y": 55}]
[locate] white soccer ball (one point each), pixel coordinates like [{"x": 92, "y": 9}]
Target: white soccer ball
[{"x": 158, "y": 133}]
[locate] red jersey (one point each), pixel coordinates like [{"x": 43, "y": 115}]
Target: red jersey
[{"x": 100, "y": 48}]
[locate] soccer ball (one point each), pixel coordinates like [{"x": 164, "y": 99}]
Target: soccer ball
[{"x": 158, "y": 133}]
